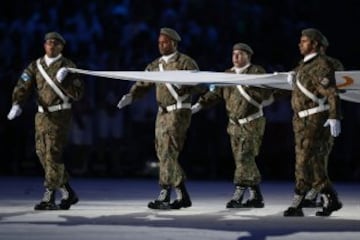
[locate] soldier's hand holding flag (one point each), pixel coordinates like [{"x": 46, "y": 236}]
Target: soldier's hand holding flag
[
  {"x": 61, "y": 74},
  {"x": 125, "y": 100}
]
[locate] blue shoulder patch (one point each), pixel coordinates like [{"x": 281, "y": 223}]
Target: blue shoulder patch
[{"x": 25, "y": 77}]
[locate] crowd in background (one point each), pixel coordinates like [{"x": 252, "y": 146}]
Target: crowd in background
[{"x": 122, "y": 35}]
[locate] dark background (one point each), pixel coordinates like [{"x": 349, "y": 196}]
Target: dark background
[{"x": 122, "y": 35}]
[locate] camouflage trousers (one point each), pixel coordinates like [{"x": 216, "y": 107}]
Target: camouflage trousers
[
  {"x": 170, "y": 135},
  {"x": 313, "y": 144},
  {"x": 245, "y": 142},
  {"x": 51, "y": 135}
]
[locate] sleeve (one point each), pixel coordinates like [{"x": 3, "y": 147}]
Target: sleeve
[
  {"x": 326, "y": 86},
  {"x": 73, "y": 85},
  {"x": 24, "y": 85},
  {"x": 211, "y": 97},
  {"x": 140, "y": 88}
]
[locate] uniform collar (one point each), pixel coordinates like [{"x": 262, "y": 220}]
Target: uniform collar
[
  {"x": 310, "y": 56},
  {"x": 168, "y": 57},
  {"x": 49, "y": 60},
  {"x": 241, "y": 69}
]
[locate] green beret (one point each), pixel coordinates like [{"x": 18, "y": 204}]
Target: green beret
[
  {"x": 314, "y": 35},
  {"x": 55, "y": 35},
  {"x": 243, "y": 47},
  {"x": 170, "y": 33}
]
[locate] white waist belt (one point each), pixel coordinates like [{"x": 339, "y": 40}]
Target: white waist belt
[
  {"x": 310, "y": 111},
  {"x": 54, "y": 108},
  {"x": 174, "y": 107},
  {"x": 248, "y": 118}
]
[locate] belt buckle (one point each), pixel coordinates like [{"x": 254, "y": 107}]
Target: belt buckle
[{"x": 45, "y": 109}]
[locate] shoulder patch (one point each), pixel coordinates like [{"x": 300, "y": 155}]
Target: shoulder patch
[
  {"x": 325, "y": 81},
  {"x": 25, "y": 77}
]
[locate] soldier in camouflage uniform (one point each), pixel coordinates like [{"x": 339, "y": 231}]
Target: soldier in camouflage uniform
[
  {"x": 56, "y": 90},
  {"x": 172, "y": 120},
  {"x": 244, "y": 106},
  {"x": 316, "y": 107},
  {"x": 310, "y": 199}
]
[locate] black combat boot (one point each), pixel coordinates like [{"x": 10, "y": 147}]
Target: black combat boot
[
  {"x": 295, "y": 209},
  {"x": 310, "y": 199},
  {"x": 331, "y": 202},
  {"x": 48, "y": 201},
  {"x": 236, "y": 201},
  {"x": 182, "y": 198},
  {"x": 69, "y": 197},
  {"x": 256, "y": 199},
  {"x": 163, "y": 200}
]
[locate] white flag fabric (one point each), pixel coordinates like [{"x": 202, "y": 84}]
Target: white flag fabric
[
  {"x": 185, "y": 77},
  {"x": 347, "y": 81}
]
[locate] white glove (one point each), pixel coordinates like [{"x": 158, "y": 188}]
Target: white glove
[
  {"x": 61, "y": 74},
  {"x": 14, "y": 112},
  {"x": 125, "y": 100},
  {"x": 335, "y": 126},
  {"x": 291, "y": 78},
  {"x": 195, "y": 108}
]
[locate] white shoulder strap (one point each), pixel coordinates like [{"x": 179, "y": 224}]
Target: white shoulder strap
[
  {"x": 309, "y": 94},
  {"x": 51, "y": 82},
  {"x": 248, "y": 97},
  {"x": 171, "y": 88}
]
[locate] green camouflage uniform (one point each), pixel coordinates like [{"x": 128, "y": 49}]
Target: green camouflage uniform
[
  {"x": 170, "y": 127},
  {"x": 313, "y": 142},
  {"x": 245, "y": 138},
  {"x": 51, "y": 128}
]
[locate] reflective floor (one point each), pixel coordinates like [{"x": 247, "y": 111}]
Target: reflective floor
[{"x": 117, "y": 209}]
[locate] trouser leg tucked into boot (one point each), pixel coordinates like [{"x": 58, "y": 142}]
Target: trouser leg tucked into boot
[
  {"x": 331, "y": 202},
  {"x": 69, "y": 197},
  {"x": 48, "y": 201},
  {"x": 310, "y": 200},
  {"x": 256, "y": 199},
  {"x": 236, "y": 201},
  {"x": 163, "y": 200},
  {"x": 182, "y": 198},
  {"x": 295, "y": 209}
]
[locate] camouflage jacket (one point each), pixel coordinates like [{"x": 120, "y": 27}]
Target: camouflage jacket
[
  {"x": 164, "y": 98},
  {"x": 236, "y": 104},
  {"x": 31, "y": 79},
  {"x": 318, "y": 76}
]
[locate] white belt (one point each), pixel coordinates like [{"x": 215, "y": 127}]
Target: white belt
[
  {"x": 176, "y": 106},
  {"x": 310, "y": 111},
  {"x": 249, "y": 118},
  {"x": 54, "y": 108}
]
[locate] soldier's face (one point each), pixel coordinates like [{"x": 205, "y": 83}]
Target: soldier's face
[
  {"x": 166, "y": 45},
  {"x": 306, "y": 46},
  {"x": 240, "y": 58},
  {"x": 53, "y": 47}
]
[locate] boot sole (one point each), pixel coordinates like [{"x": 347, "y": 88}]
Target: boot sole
[
  {"x": 327, "y": 213},
  {"x": 46, "y": 208},
  {"x": 67, "y": 206},
  {"x": 156, "y": 206}
]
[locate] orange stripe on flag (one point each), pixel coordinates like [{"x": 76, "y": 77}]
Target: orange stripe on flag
[{"x": 348, "y": 82}]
